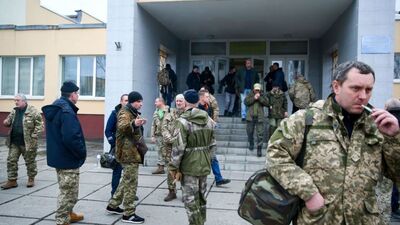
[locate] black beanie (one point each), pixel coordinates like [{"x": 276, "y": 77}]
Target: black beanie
[
  {"x": 191, "y": 96},
  {"x": 69, "y": 87},
  {"x": 134, "y": 96}
]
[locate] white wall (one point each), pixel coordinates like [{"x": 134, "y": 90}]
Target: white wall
[
  {"x": 342, "y": 35},
  {"x": 134, "y": 68},
  {"x": 378, "y": 18},
  {"x": 13, "y": 12}
]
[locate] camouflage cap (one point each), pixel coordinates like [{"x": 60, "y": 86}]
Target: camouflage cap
[{"x": 257, "y": 86}]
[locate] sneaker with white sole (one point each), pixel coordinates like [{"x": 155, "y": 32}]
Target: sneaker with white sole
[
  {"x": 132, "y": 219},
  {"x": 117, "y": 210}
]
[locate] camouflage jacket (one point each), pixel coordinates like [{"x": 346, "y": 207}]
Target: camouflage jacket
[
  {"x": 168, "y": 125},
  {"x": 33, "y": 126},
  {"x": 277, "y": 104},
  {"x": 215, "y": 107},
  {"x": 194, "y": 143},
  {"x": 343, "y": 170},
  {"x": 156, "y": 123},
  {"x": 126, "y": 151},
  {"x": 255, "y": 108},
  {"x": 301, "y": 93}
]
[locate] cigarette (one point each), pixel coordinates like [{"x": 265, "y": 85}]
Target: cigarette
[{"x": 368, "y": 109}]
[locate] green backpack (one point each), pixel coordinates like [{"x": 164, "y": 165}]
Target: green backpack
[{"x": 264, "y": 200}]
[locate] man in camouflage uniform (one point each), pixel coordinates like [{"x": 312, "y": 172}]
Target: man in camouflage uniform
[
  {"x": 277, "y": 109},
  {"x": 255, "y": 102},
  {"x": 347, "y": 150},
  {"x": 26, "y": 125},
  {"x": 129, "y": 128},
  {"x": 156, "y": 136},
  {"x": 65, "y": 149},
  {"x": 213, "y": 104},
  {"x": 191, "y": 157},
  {"x": 167, "y": 130},
  {"x": 301, "y": 93}
]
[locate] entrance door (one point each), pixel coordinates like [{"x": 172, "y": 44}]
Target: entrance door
[
  {"x": 291, "y": 66},
  {"x": 259, "y": 66}
]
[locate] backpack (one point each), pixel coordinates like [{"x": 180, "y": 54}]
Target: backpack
[
  {"x": 264, "y": 200},
  {"x": 163, "y": 77}
]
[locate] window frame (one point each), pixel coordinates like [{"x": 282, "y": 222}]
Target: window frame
[
  {"x": 17, "y": 76},
  {"x": 78, "y": 75},
  {"x": 395, "y": 81}
]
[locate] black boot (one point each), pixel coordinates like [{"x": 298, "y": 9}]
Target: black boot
[{"x": 259, "y": 151}]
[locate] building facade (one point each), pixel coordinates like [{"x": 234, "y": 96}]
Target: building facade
[
  {"x": 303, "y": 36},
  {"x": 40, "y": 49}
]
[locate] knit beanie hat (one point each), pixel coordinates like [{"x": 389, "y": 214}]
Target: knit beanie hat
[
  {"x": 191, "y": 96},
  {"x": 134, "y": 96},
  {"x": 69, "y": 87}
]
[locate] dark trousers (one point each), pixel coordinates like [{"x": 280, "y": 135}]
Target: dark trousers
[
  {"x": 167, "y": 96},
  {"x": 116, "y": 177},
  {"x": 259, "y": 127},
  {"x": 395, "y": 198}
]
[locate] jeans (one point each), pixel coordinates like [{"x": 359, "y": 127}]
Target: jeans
[
  {"x": 229, "y": 101},
  {"x": 242, "y": 97},
  {"x": 215, "y": 169},
  {"x": 116, "y": 177}
]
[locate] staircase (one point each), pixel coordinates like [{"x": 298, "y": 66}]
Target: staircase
[{"x": 232, "y": 148}]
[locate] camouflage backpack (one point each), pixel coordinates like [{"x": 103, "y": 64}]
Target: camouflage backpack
[
  {"x": 163, "y": 77},
  {"x": 264, "y": 200}
]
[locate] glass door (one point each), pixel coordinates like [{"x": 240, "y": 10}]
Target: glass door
[{"x": 259, "y": 66}]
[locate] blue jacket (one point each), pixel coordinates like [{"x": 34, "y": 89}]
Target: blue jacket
[
  {"x": 66, "y": 147},
  {"x": 111, "y": 127}
]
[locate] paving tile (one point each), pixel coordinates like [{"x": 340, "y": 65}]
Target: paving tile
[
  {"x": 27, "y": 206},
  {"x": 4, "y": 220},
  {"x": 53, "y": 191},
  {"x": 218, "y": 200}
]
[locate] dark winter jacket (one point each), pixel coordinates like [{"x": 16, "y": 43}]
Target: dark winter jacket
[
  {"x": 193, "y": 81},
  {"x": 240, "y": 79},
  {"x": 229, "y": 81},
  {"x": 279, "y": 80},
  {"x": 111, "y": 127},
  {"x": 207, "y": 79},
  {"x": 66, "y": 147}
]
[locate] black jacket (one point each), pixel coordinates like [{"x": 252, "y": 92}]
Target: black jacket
[
  {"x": 395, "y": 112},
  {"x": 66, "y": 147},
  {"x": 193, "y": 81},
  {"x": 229, "y": 81}
]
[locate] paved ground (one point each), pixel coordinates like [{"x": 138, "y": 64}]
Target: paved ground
[{"x": 21, "y": 205}]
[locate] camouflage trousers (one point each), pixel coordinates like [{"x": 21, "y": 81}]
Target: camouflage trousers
[
  {"x": 194, "y": 190},
  {"x": 68, "y": 183},
  {"x": 170, "y": 179},
  {"x": 126, "y": 190},
  {"x": 251, "y": 126},
  {"x": 161, "y": 150},
  {"x": 12, "y": 161},
  {"x": 273, "y": 123}
]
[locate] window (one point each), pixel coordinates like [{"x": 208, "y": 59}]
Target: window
[
  {"x": 89, "y": 72},
  {"x": 22, "y": 75}
]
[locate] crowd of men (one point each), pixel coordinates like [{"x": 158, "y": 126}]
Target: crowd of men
[{"x": 351, "y": 145}]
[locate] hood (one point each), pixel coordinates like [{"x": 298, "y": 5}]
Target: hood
[
  {"x": 196, "y": 116},
  {"x": 117, "y": 108},
  {"x": 302, "y": 80},
  {"x": 50, "y": 111}
]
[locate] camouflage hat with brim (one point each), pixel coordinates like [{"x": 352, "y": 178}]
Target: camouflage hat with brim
[{"x": 257, "y": 86}]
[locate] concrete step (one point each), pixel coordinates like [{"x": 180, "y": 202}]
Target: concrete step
[
  {"x": 223, "y": 119},
  {"x": 231, "y": 137},
  {"x": 232, "y": 125},
  {"x": 230, "y": 131}
]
